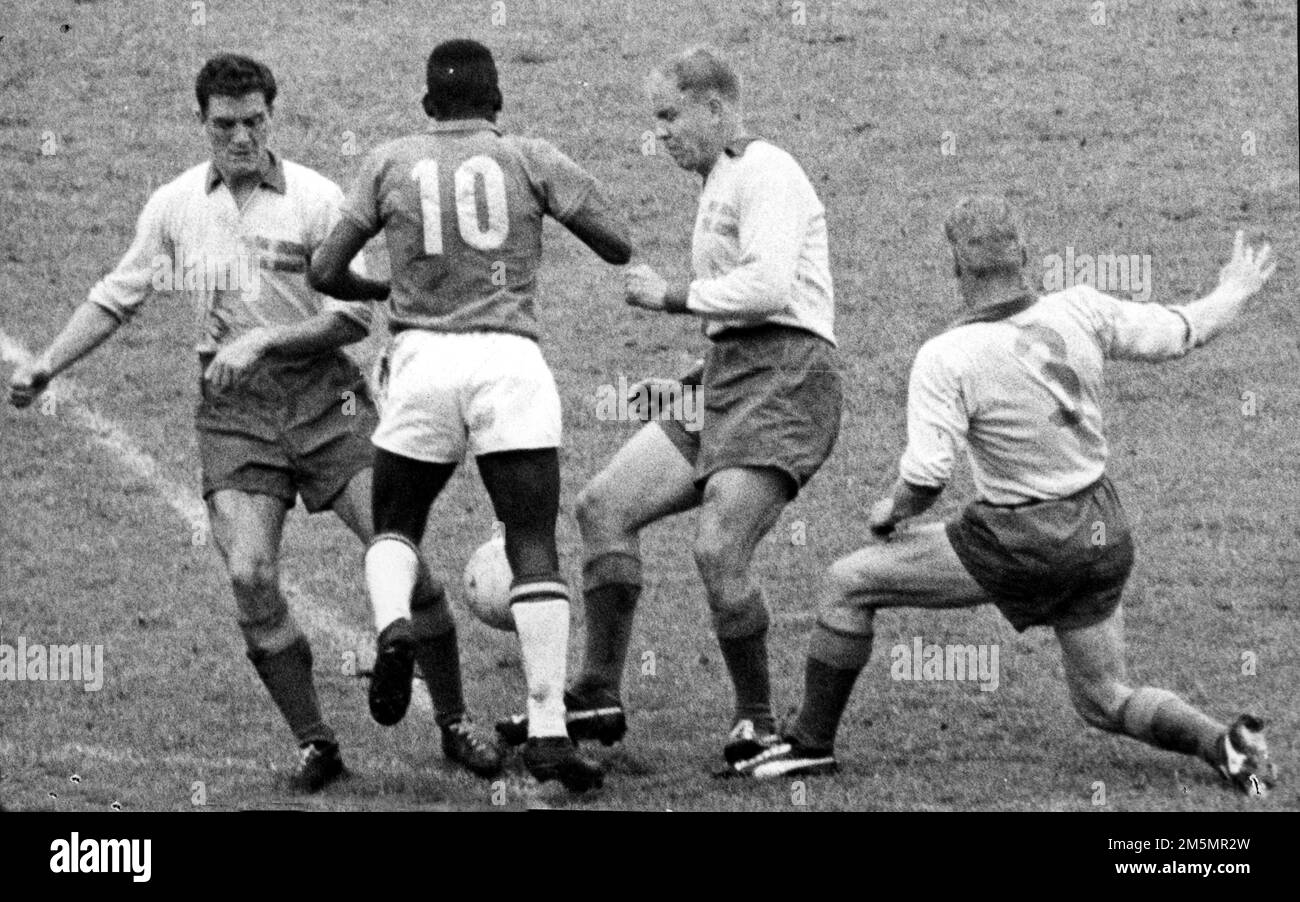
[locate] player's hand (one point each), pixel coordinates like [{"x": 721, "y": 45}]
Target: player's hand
[
  {"x": 644, "y": 398},
  {"x": 234, "y": 361},
  {"x": 27, "y": 383},
  {"x": 645, "y": 288},
  {"x": 881, "y": 520},
  {"x": 1248, "y": 269}
]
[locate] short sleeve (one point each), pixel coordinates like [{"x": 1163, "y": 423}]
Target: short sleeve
[
  {"x": 123, "y": 291},
  {"x": 937, "y": 420},
  {"x": 1127, "y": 330},
  {"x": 561, "y": 185}
]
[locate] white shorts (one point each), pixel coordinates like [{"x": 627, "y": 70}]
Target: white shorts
[{"x": 452, "y": 392}]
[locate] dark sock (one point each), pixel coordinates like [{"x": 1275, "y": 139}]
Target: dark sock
[
  {"x": 826, "y": 695},
  {"x": 439, "y": 661},
  {"x": 437, "y": 651},
  {"x": 746, "y": 659},
  {"x": 608, "y": 612},
  {"x": 835, "y": 659},
  {"x": 287, "y": 676}
]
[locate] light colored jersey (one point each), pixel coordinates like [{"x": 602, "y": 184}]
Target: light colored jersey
[
  {"x": 1023, "y": 393},
  {"x": 760, "y": 249},
  {"x": 461, "y": 207},
  {"x": 239, "y": 269}
]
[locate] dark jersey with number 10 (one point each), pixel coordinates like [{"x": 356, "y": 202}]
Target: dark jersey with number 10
[{"x": 461, "y": 207}]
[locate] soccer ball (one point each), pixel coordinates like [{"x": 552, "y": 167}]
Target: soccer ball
[{"x": 487, "y": 583}]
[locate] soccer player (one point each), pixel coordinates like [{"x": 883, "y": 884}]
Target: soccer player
[
  {"x": 770, "y": 387},
  {"x": 283, "y": 411},
  {"x": 462, "y": 206},
  {"x": 1018, "y": 380}
]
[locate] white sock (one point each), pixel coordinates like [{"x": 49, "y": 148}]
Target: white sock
[
  {"x": 391, "y": 570},
  {"x": 543, "y": 628}
]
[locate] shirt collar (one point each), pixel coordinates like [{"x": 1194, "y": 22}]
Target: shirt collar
[
  {"x": 272, "y": 176},
  {"x": 463, "y": 125},
  {"x": 998, "y": 310}
]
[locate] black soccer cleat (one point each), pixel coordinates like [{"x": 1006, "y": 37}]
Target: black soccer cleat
[
  {"x": 745, "y": 742},
  {"x": 319, "y": 765},
  {"x": 390, "y": 682},
  {"x": 586, "y": 719},
  {"x": 466, "y": 745},
  {"x": 785, "y": 758},
  {"x": 558, "y": 758}
]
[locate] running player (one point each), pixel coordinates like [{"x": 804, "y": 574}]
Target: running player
[
  {"x": 771, "y": 393},
  {"x": 1018, "y": 380},
  {"x": 283, "y": 411},
  {"x": 462, "y": 208}
]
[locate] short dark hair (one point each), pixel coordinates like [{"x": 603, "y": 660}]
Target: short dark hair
[
  {"x": 701, "y": 71},
  {"x": 232, "y": 75},
  {"x": 461, "y": 80}
]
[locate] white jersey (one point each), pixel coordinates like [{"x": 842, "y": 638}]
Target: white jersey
[
  {"x": 239, "y": 269},
  {"x": 760, "y": 249},
  {"x": 1023, "y": 393}
]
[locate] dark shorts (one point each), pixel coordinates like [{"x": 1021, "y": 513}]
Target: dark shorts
[
  {"x": 1060, "y": 563},
  {"x": 297, "y": 427},
  {"x": 772, "y": 397}
]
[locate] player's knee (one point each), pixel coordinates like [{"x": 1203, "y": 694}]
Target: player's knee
[
  {"x": 716, "y": 554},
  {"x": 253, "y": 574}
]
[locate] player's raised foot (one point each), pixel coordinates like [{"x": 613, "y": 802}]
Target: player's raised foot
[
  {"x": 558, "y": 758},
  {"x": 390, "y": 683},
  {"x": 788, "y": 758},
  {"x": 465, "y": 744},
  {"x": 1245, "y": 761},
  {"x": 587, "y": 716},
  {"x": 746, "y": 741},
  {"x": 319, "y": 764}
]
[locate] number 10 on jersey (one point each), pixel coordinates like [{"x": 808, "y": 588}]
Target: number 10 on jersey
[{"x": 479, "y": 176}]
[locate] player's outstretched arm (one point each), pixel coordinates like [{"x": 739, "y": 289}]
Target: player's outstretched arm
[
  {"x": 330, "y": 273},
  {"x": 88, "y": 327},
  {"x": 1242, "y": 276}
]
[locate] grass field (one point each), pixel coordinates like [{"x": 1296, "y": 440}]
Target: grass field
[{"x": 1158, "y": 132}]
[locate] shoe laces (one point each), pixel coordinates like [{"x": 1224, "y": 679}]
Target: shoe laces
[{"x": 744, "y": 729}]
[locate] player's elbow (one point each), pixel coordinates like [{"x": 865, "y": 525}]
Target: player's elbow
[{"x": 323, "y": 276}]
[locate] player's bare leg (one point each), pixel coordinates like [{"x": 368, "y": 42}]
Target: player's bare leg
[
  {"x": 647, "y": 479},
  {"x": 432, "y": 629},
  {"x": 247, "y": 529},
  {"x": 1095, "y": 673},
  {"x": 917, "y": 567},
  {"x": 740, "y": 507},
  {"x": 524, "y": 486}
]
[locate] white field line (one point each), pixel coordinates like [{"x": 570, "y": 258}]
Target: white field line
[{"x": 111, "y": 437}]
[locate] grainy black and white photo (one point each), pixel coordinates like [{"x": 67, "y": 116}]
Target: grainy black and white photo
[{"x": 649, "y": 405}]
